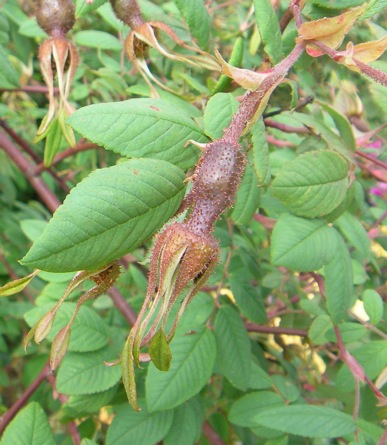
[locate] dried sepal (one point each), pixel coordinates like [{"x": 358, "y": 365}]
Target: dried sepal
[
  {"x": 105, "y": 277},
  {"x": 329, "y": 30},
  {"x": 364, "y": 52},
  {"x": 143, "y": 36},
  {"x": 58, "y": 59},
  {"x": 59, "y": 347},
  {"x": 248, "y": 79},
  {"x": 181, "y": 259},
  {"x": 18, "y": 285}
]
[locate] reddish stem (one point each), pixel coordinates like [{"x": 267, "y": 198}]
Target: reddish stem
[
  {"x": 268, "y": 223},
  {"x": 30, "y": 89},
  {"x": 63, "y": 399},
  {"x": 122, "y": 305},
  {"x": 383, "y": 439},
  {"x": 252, "y": 99},
  {"x": 26, "y": 147},
  {"x": 23, "y": 399},
  {"x": 253, "y": 327},
  {"x": 65, "y": 154},
  {"x": 46, "y": 195},
  {"x": 211, "y": 435},
  {"x": 285, "y": 128},
  {"x": 372, "y": 159}
]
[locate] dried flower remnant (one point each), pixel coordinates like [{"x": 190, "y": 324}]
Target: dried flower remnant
[
  {"x": 184, "y": 257},
  {"x": 104, "y": 278},
  {"x": 58, "y": 60},
  {"x": 143, "y": 35}
]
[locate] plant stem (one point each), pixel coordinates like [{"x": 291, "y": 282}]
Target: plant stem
[
  {"x": 23, "y": 399},
  {"x": 122, "y": 305},
  {"x": 372, "y": 159},
  {"x": 253, "y": 327},
  {"x": 383, "y": 439},
  {"x": 65, "y": 154},
  {"x": 30, "y": 89},
  {"x": 74, "y": 433},
  {"x": 285, "y": 128},
  {"x": 26, "y": 147},
  {"x": 211, "y": 435},
  {"x": 46, "y": 195},
  {"x": 253, "y": 99}
]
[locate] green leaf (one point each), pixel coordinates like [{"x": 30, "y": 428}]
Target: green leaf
[
  {"x": 308, "y": 421},
  {"x": 80, "y": 406},
  {"x": 302, "y": 244},
  {"x": 160, "y": 351},
  {"x": 269, "y": 29},
  {"x": 218, "y": 114},
  {"x": 9, "y": 77},
  {"x": 187, "y": 424},
  {"x": 373, "y": 305},
  {"x": 248, "y": 299},
  {"x": 324, "y": 132},
  {"x": 107, "y": 215},
  {"x": 343, "y": 125},
  {"x": 338, "y": 282},
  {"x": 141, "y": 128},
  {"x": 247, "y": 198},
  {"x": 53, "y": 141},
  {"x": 318, "y": 329},
  {"x": 349, "y": 331},
  {"x": 33, "y": 228},
  {"x": 259, "y": 379},
  {"x": 342, "y": 4},
  {"x": 98, "y": 39},
  {"x": 16, "y": 286},
  {"x": 285, "y": 387},
  {"x": 199, "y": 21},
  {"x": 313, "y": 184},
  {"x": 89, "y": 330},
  {"x": 234, "y": 348},
  {"x": 373, "y": 7},
  {"x": 192, "y": 364},
  {"x": 82, "y": 7},
  {"x": 261, "y": 157},
  {"x": 86, "y": 373},
  {"x": 244, "y": 411},
  {"x": 138, "y": 428},
  {"x": 355, "y": 233},
  {"x": 235, "y": 60},
  {"x": 30, "y": 426}
]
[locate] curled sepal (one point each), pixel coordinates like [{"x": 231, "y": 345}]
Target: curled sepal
[
  {"x": 16, "y": 286},
  {"x": 45, "y": 324},
  {"x": 329, "y": 30},
  {"x": 59, "y": 347},
  {"x": 29, "y": 336},
  {"x": 160, "y": 352},
  {"x": 143, "y": 36},
  {"x": 364, "y": 52},
  {"x": 248, "y": 79},
  {"x": 58, "y": 59},
  {"x": 128, "y": 376}
]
